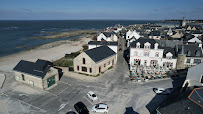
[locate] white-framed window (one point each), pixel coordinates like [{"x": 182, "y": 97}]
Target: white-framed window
[
  {"x": 146, "y": 54},
  {"x": 169, "y": 57},
  {"x": 188, "y": 60},
  {"x": 17, "y": 77},
  {"x": 136, "y": 54},
  {"x": 157, "y": 54},
  {"x": 31, "y": 83}
]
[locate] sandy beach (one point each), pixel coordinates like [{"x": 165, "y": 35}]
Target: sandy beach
[{"x": 51, "y": 52}]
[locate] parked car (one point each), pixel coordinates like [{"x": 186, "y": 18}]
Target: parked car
[
  {"x": 92, "y": 96},
  {"x": 71, "y": 112},
  {"x": 101, "y": 107},
  {"x": 81, "y": 108},
  {"x": 161, "y": 91}
]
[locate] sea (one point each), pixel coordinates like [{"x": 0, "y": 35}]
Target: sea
[{"x": 16, "y": 36}]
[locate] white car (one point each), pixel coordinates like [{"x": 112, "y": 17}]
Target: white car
[
  {"x": 101, "y": 107},
  {"x": 161, "y": 91},
  {"x": 92, "y": 96}
]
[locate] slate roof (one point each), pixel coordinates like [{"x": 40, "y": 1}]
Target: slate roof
[
  {"x": 196, "y": 96},
  {"x": 100, "y": 53},
  {"x": 179, "y": 104},
  {"x": 192, "y": 48},
  {"x": 142, "y": 41},
  {"x": 103, "y": 43},
  {"x": 108, "y": 34},
  {"x": 169, "y": 49},
  {"x": 155, "y": 33},
  {"x": 37, "y": 69}
]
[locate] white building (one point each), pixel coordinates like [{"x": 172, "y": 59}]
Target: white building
[
  {"x": 107, "y": 36},
  {"x": 132, "y": 34},
  {"x": 194, "y": 76},
  {"x": 111, "y": 45},
  {"x": 147, "y": 52},
  {"x": 155, "y": 35}
]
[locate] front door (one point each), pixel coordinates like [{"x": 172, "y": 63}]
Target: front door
[
  {"x": 100, "y": 69},
  {"x": 51, "y": 81}
]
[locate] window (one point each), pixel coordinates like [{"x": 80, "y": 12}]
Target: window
[
  {"x": 84, "y": 69},
  {"x": 23, "y": 77},
  {"x": 90, "y": 70},
  {"x": 109, "y": 63},
  {"x": 78, "y": 68},
  {"x": 83, "y": 60},
  {"x": 105, "y": 65},
  {"x": 135, "y": 53},
  {"x": 31, "y": 83},
  {"x": 197, "y": 53},
  {"x": 188, "y": 61},
  {"x": 146, "y": 54},
  {"x": 146, "y": 47},
  {"x": 188, "y": 53},
  {"x": 201, "y": 79},
  {"x": 17, "y": 77},
  {"x": 169, "y": 57},
  {"x": 145, "y": 62},
  {"x": 197, "y": 61},
  {"x": 157, "y": 54}
]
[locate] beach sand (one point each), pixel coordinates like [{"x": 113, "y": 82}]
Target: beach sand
[{"x": 50, "y": 52}]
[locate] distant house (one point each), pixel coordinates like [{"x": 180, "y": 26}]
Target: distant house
[
  {"x": 155, "y": 35},
  {"x": 39, "y": 74},
  {"x": 107, "y": 36},
  {"x": 197, "y": 33},
  {"x": 194, "y": 76},
  {"x": 95, "y": 61},
  {"x": 170, "y": 32},
  {"x": 132, "y": 34},
  {"x": 112, "y": 45},
  {"x": 178, "y": 34},
  {"x": 189, "y": 55}
]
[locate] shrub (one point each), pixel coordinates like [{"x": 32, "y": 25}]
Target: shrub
[{"x": 110, "y": 67}]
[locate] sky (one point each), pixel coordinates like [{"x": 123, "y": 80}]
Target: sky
[{"x": 100, "y": 9}]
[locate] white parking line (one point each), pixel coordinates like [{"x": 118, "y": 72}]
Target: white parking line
[
  {"x": 65, "y": 83},
  {"x": 51, "y": 93},
  {"x": 63, "y": 90},
  {"x": 63, "y": 106},
  {"x": 21, "y": 105},
  {"x": 32, "y": 106},
  {"x": 88, "y": 100}
]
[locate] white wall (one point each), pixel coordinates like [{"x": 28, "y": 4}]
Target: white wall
[{"x": 101, "y": 36}]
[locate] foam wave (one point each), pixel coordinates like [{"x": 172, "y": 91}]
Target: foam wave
[{"x": 8, "y": 28}]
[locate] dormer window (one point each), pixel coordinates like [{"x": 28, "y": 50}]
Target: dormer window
[
  {"x": 156, "y": 46},
  {"x": 169, "y": 57},
  {"x": 138, "y": 45},
  {"x": 147, "y": 45},
  {"x": 157, "y": 54},
  {"x": 189, "y": 53},
  {"x": 197, "y": 53}
]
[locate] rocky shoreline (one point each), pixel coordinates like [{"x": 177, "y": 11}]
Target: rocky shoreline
[{"x": 68, "y": 34}]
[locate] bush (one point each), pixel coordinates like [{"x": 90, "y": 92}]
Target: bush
[
  {"x": 85, "y": 47},
  {"x": 110, "y": 67},
  {"x": 94, "y": 38}
]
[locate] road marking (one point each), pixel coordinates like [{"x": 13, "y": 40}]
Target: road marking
[
  {"x": 32, "y": 106},
  {"x": 51, "y": 93},
  {"x": 63, "y": 106},
  {"x": 63, "y": 90},
  {"x": 65, "y": 83},
  {"x": 88, "y": 100},
  {"x": 21, "y": 105}
]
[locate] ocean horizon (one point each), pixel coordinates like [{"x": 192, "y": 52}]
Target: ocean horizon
[{"x": 15, "y": 35}]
